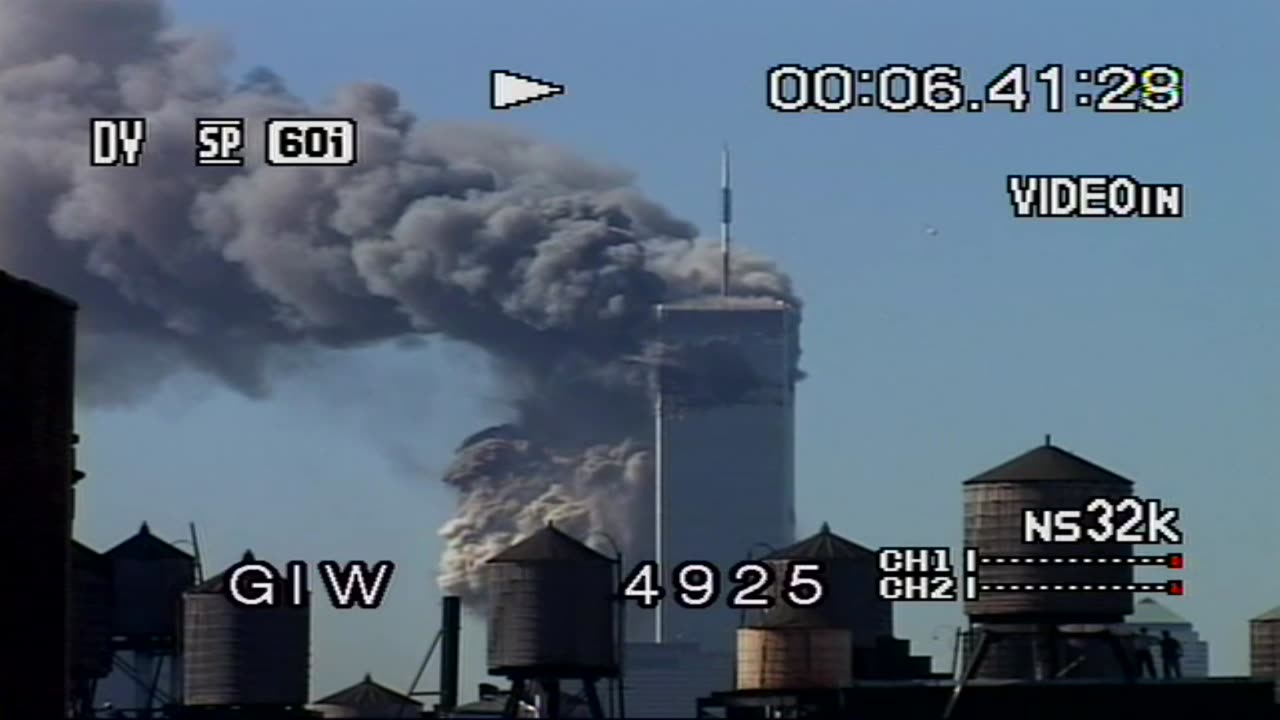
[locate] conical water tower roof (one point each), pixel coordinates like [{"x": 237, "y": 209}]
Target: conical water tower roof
[
  {"x": 1048, "y": 463},
  {"x": 1272, "y": 614},
  {"x": 549, "y": 544},
  {"x": 823, "y": 545},
  {"x": 367, "y": 694},
  {"x": 145, "y": 546}
]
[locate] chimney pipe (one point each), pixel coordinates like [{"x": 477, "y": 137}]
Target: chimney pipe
[{"x": 451, "y": 631}]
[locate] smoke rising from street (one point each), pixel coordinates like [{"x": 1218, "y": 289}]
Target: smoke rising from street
[{"x": 547, "y": 263}]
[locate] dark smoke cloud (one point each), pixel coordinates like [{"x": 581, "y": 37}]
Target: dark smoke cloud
[{"x": 546, "y": 262}]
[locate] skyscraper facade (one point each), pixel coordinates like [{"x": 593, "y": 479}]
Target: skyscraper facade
[{"x": 724, "y": 444}]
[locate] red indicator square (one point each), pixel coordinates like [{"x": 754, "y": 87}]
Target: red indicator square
[
  {"x": 1174, "y": 561},
  {"x": 1174, "y": 587}
]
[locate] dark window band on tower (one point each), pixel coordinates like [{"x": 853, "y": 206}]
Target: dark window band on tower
[{"x": 726, "y": 210}]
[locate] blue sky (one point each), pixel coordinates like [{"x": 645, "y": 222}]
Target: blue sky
[{"x": 1147, "y": 346}]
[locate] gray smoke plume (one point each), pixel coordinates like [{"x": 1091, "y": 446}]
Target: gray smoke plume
[{"x": 546, "y": 262}]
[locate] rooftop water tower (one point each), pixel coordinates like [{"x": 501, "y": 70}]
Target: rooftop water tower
[
  {"x": 243, "y": 656},
  {"x": 551, "y": 619},
  {"x": 1033, "y": 627}
]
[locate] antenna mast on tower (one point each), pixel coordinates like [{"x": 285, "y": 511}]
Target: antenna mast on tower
[{"x": 726, "y": 197}]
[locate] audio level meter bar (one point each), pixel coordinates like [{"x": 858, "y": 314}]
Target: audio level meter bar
[
  {"x": 1170, "y": 587},
  {"x": 1173, "y": 561}
]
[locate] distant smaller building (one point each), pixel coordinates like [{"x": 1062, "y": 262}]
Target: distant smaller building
[
  {"x": 665, "y": 680},
  {"x": 1156, "y": 618},
  {"x": 367, "y": 700}
]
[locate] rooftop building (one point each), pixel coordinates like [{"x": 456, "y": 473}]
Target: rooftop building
[
  {"x": 37, "y": 466},
  {"x": 665, "y": 680}
]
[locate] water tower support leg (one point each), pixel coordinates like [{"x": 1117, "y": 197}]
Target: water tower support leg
[
  {"x": 512, "y": 708},
  {"x": 1045, "y": 646},
  {"x": 1122, "y": 656},
  {"x": 970, "y": 669},
  {"x": 593, "y": 700},
  {"x": 552, "y": 692}
]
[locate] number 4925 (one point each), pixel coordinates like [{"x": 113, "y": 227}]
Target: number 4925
[{"x": 698, "y": 585}]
